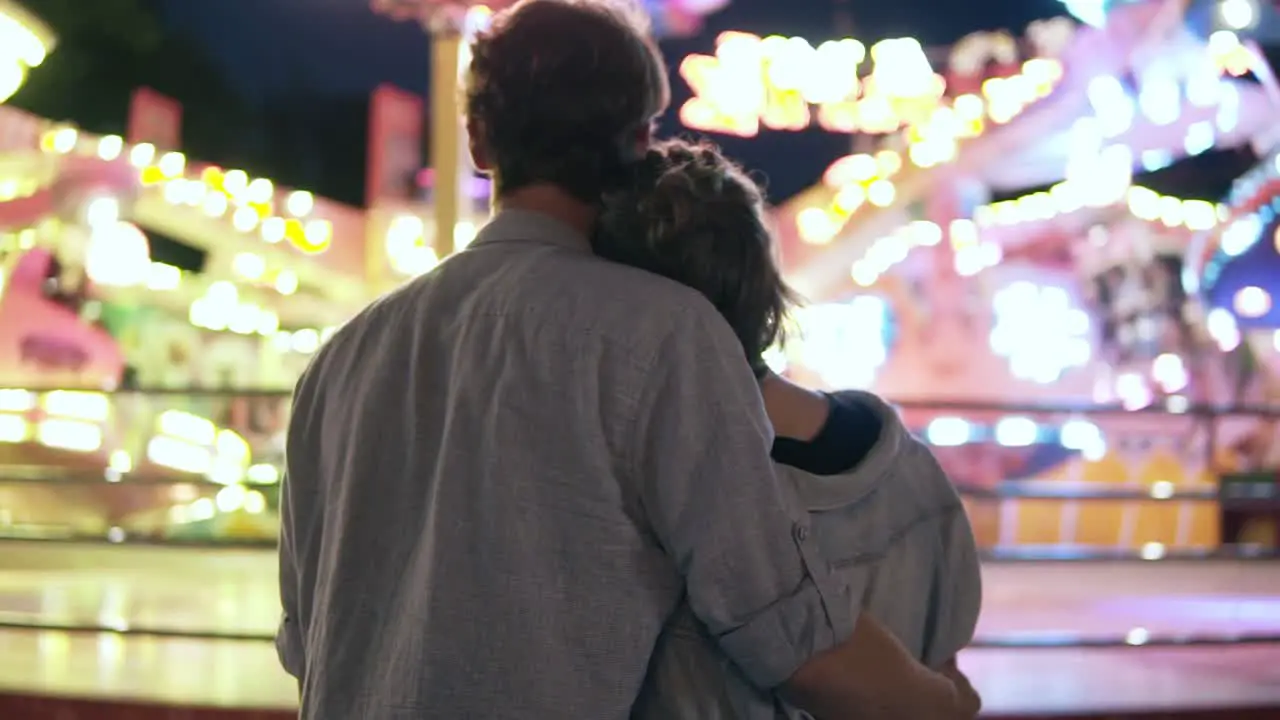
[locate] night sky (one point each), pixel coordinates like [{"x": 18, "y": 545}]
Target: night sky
[{"x": 338, "y": 47}]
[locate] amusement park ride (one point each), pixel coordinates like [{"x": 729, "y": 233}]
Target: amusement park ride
[{"x": 124, "y": 263}]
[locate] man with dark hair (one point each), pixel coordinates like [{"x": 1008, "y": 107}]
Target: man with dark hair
[{"x": 504, "y": 477}]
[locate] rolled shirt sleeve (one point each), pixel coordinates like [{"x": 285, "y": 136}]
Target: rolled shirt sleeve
[
  {"x": 738, "y": 533},
  {"x": 289, "y": 635}
]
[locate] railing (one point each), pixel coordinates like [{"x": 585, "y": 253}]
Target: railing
[
  {"x": 201, "y": 468},
  {"x": 168, "y": 471}
]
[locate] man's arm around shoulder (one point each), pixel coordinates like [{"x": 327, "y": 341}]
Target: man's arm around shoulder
[{"x": 741, "y": 540}]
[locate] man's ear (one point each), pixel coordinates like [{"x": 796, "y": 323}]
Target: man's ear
[
  {"x": 643, "y": 139},
  {"x": 475, "y": 145}
]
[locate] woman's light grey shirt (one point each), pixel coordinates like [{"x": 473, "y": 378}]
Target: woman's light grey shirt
[{"x": 895, "y": 530}]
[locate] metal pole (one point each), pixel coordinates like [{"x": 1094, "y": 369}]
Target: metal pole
[{"x": 446, "y": 133}]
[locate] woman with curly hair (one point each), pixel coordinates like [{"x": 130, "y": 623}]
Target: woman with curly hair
[{"x": 883, "y": 512}]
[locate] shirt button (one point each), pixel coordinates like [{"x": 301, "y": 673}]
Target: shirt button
[{"x": 802, "y": 533}]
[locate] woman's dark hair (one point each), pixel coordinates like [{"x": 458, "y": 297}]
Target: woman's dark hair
[
  {"x": 561, "y": 92},
  {"x": 694, "y": 216}
]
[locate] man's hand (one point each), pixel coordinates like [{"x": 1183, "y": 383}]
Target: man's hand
[
  {"x": 970, "y": 702},
  {"x": 871, "y": 676}
]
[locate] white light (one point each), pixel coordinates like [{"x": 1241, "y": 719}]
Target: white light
[
  {"x": 1152, "y": 551},
  {"x": 1040, "y": 331},
  {"x": 102, "y": 212},
  {"x": 1016, "y": 432},
  {"x": 842, "y": 342},
  {"x": 306, "y": 341},
  {"x": 249, "y": 266},
  {"x": 110, "y": 147},
  {"x": 1079, "y": 435},
  {"x": 1240, "y": 235},
  {"x": 300, "y": 203},
  {"x": 1169, "y": 372},
  {"x": 1160, "y": 97},
  {"x": 118, "y": 256},
  {"x": 286, "y": 282},
  {"x": 463, "y": 233},
  {"x": 161, "y": 276},
  {"x": 142, "y": 154},
  {"x": 1252, "y": 302},
  {"x": 948, "y": 432},
  {"x": 1238, "y": 14}
]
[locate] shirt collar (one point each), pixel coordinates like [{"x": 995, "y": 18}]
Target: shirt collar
[{"x": 531, "y": 227}]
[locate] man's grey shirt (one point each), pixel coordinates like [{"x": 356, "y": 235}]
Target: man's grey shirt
[
  {"x": 504, "y": 477},
  {"x": 896, "y": 531}
]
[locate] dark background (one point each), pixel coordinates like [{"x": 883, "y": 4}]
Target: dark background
[{"x": 280, "y": 87}]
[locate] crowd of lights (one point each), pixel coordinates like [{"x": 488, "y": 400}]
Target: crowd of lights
[
  {"x": 249, "y": 204},
  {"x": 24, "y": 43},
  {"x": 1098, "y": 173},
  {"x": 77, "y": 421},
  {"x": 786, "y": 83},
  {"x": 931, "y": 138},
  {"x": 117, "y": 253}
]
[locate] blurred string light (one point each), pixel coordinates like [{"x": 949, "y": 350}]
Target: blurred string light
[
  {"x": 1017, "y": 431},
  {"x": 783, "y": 83},
  {"x": 118, "y": 254},
  {"x": 902, "y": 94},
  {"x": 1065, "y": 198}
]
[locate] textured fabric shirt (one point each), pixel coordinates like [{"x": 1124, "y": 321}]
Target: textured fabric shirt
[
  {"x": 898, "y": 534},
  {"x": 504, "y": 478}
]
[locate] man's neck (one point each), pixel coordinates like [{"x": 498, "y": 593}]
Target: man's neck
[
  {"x": 796, "y": 412},
  {"x": 553, "y": 202}
]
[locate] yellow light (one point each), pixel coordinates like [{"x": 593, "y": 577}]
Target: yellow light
[
  {"x": 850, "y": 198},
  {"x": 152, "y": 175},
  {"x": 316, "y": 237},
  {"x": 816, "y": 226},
  {"x": 24, "y": 38},
  {"x": 212, "y": 176},
  {"x": 61, "y": 141}
]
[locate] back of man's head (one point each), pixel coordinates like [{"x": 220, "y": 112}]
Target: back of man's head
[{"x": 564, "y": 92}]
